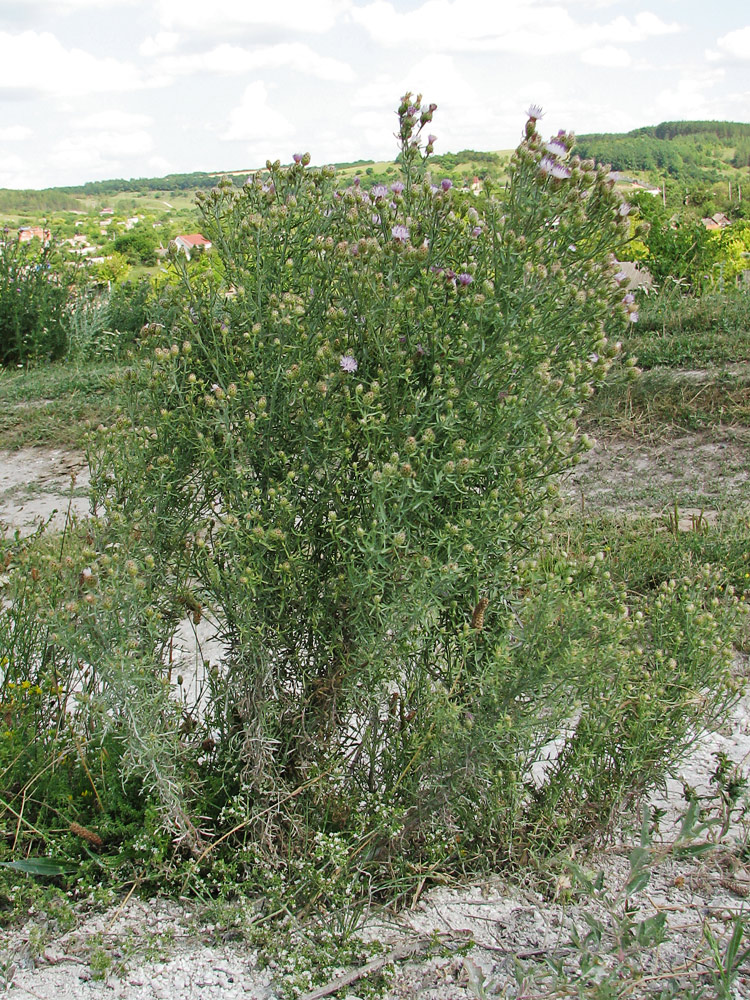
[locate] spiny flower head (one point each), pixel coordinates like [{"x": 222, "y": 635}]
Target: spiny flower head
[
  {"x": 557, "y": 170},
  {"x": 348, "y": 363},
  {"x": 556, "y": 148}
]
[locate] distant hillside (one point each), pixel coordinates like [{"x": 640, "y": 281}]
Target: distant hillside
[
  {"x": 704, "y": 151},
  {"x": 689, "y": 152},
  {"x": 172, "y": 182},
  {"x": 17, "y": 202}
]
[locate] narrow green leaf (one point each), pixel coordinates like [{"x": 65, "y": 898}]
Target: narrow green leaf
[{"x": 37, "y": 866}]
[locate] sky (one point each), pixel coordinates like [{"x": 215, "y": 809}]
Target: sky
[{"x": 98, "y": 89}]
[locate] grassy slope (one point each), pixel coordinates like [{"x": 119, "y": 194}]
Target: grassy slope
[{"x": 52, "y": 405}]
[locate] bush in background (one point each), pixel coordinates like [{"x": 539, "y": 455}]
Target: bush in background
[{"x": 34, "y": 288}]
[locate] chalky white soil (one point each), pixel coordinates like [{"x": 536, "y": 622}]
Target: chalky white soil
[
  {"x": 39, "y": 486},
  {"x": 456, "y": 942}
]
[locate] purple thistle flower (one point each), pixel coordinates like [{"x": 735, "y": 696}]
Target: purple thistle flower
[
  {"x": 633, "y": 317},
  {"x": 556, "y": 148},
  {"x": 620, "y": 277},
  {"x": 446, "y": 184},
  {"x": 348, "y": 363},
  {"x": 400, "y": 234},
  {"x": 560, "y": 172},
  {"x": 376, "y": 220},
  {"x": 593, "y": 358},
  {"x": 534, "y": 112},
  {"x": 355, "y": 181},
  {"x": 397, "y": 188},
  {"x": 629, "y": 299},
  {"x": 431, "y": 140},
  {"x": 546, "y": 164},
  {"x": 476, "y": 231},
  {"x": 298, "y": 157},
  {"x": 379, "y": 191},
  {"x": 557, "y": 170},
  {"x": 624, "y": 209},
  {"x": 465, "y": 279}
]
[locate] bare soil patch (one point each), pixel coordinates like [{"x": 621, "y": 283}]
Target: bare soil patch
[
  {"x": 700, "y": 470},
  {"x": 38, "y": 485}
]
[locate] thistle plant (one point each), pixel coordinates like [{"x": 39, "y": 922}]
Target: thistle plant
[{"x": 346, "y": 447}]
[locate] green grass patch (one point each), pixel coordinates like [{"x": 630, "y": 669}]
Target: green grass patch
[
  {"x": 51, "y": 405},
  {"x": 684, "y": 330},
  {"x": 664, "y": 397},
  {"x": 643, "y": 552}
]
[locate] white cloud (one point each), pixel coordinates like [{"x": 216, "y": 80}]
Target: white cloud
[
  {"x": 104, "y": 141},
  {"x": 735, "y": 45},
  {"x": 38, "y": 62},
  {"x": 524, "y": 28},
  {"x": 465, "y": 118},
  {"x": 113, "y": 121},
  {"x": 436, "y": 76},
  {"x": 231, "y": 59},
  {"x": 14, "y": 133},
  {"x": 160, "y": 165},
  {"x": 101, "y": 147},
  {"x": 607, "y": 55},
  {"x": 690, "y": 97},
  {"x": 15, "y": 173},
  {"x": 291, "y": 15},
  {"x": 256, "y": 121},
  {"x": 158, "y": 44},
  {"x": 648, "y": 25},
  {"x": 72, "y": 5}
]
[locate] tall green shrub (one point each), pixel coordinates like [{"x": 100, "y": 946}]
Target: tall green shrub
[{"x": 345, "y": 449}]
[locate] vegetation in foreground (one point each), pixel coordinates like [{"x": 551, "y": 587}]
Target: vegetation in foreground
[{"x": 344, "y": 768}]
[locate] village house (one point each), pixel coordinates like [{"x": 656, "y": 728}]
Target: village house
[
  {"x": 717, "y": 221},
  {"x": 192, "y": 242},
  {"x": 28, "y": 233}
]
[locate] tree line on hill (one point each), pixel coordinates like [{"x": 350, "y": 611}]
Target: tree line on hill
[{"x": 685, "y": 150}]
